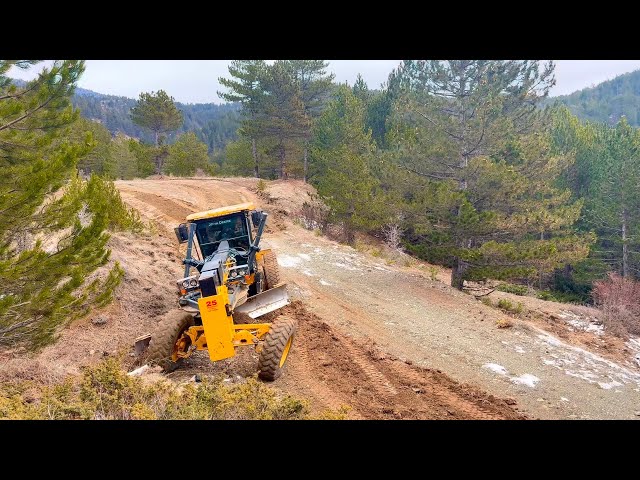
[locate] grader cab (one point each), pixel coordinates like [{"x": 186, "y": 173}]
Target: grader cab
[{"x": 235, "y": 282}]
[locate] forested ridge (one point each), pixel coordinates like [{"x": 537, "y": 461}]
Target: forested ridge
[
  {"x": 215, "y": 125},
  {"x": 608, "y": 101}
]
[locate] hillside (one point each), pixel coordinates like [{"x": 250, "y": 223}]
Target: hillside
[
  {"x": 438, "y": 353},
  {"x": 216, "y": 125},
  {"x": 607, "y": 101}
]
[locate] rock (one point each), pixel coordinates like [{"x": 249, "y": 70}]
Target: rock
[
  {"x": 637, "y": 414},
  {"x": 100, "y": 320},
  {"x": 196, "y": 378},
  {"x": 91, "y": 352},
  {"x": 510, "y": 401},
  {"x": 417, "y": 389}
]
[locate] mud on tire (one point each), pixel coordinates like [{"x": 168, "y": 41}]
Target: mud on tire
[
  {"x": 276, "y": 348},
  {"x": 169, "y": 329},
  {"x": 271, "y": 270}
]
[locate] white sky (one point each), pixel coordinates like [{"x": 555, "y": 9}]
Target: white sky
[{"x": 196, "y": 81}]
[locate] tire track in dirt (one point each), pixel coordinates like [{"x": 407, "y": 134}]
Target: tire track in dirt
[{"x": 329, "y": 368}]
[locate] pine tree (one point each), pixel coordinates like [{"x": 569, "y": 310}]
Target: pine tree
[
  {"x": 342, "y": 152},
  {"x": 246, "y": 87},
  {"x": 49, "y": 242},
  {"x": 282, "y": 115},
  {"x": 186, "y": 156},
  {"x": 315, "y": 86},
  {"x": 157, "y": 112},
  {"x": 123, "y": 162},
  {"x": 451, "y": 112},
  {"x": 144, "y": 157},
  {"x": 98, "y": 137}
]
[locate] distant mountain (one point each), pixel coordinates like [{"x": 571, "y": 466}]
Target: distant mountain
[
  {"x": 607, "y": 101},
  {"x": 216, "y": 125}
]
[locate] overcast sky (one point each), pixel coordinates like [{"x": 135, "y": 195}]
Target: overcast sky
[{"x": 196, "y": 81}]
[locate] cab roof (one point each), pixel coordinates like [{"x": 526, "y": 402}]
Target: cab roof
[{"x": 219, "y": 212}]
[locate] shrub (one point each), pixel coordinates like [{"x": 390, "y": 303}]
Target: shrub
[
  {"x": 504, "y": 323},
  {"x": 508, "y": 306},
  {"x": 392, "y": 234},
  {"x": 105, "y": 391},
  {"x": 560, "y": 297},
  {"x": 619, "y": 300},
  {"x": 512, "y": 288},
  {"x": 102, "y": 193},
  {"x": 314, "y": 214},
  {"x": 433, "y": 273}
]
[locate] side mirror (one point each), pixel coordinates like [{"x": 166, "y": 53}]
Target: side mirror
[
  {"x": 182, "y": 232},
  {"x": 256, "y": 218}
]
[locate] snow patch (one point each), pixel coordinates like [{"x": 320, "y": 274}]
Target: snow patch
[
  {"x": 553, "y": 341},
  {"x": 304, "y": 256},
  {"x": 322, "y": 282},
  {"x": 564, "y": 399},
  {"x": 288, "y": 261},
  {"x": 308, "y": 273},
  {"x": 582, "y": 322},
  {"x": 634, "y": 345},
  {"x": 609, "y": 385},
  {"x": 345, "y": 266},
  {"x": 526, "y": 379},
  {"x": 494, "y": 367}
]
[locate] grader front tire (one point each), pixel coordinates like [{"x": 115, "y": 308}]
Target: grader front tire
[
  {"x": 163, "y": 342},
  {"x": 271, "y": 270},
  {"x": 276, "y": 347}
]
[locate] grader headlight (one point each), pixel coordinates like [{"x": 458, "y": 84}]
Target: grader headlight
[{"x": 185, "y": 285}]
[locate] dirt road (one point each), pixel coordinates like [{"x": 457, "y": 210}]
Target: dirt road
[{"x": 367, "y": 327}]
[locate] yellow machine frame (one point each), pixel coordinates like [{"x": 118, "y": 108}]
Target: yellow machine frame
[{"x": 217, "y": 323}]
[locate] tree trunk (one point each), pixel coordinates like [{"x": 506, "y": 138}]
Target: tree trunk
[
  {"x": 305, "y": 164},
  {"x": 625, "y": 246},
  {"x": 156, "y": 134},
  {"x": 459, "y": 265},
  {"x": 457, "y": 273},
  {"x": 282, "y": 155},
  {"x": 254, "y": 151}
]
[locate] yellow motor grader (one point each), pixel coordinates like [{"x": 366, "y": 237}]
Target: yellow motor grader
[{"x": 236, "y": 282}]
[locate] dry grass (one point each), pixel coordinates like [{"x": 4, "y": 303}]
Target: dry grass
[
  {"x": 504, "y": 323},
  {"x": 105, "y": 391}
]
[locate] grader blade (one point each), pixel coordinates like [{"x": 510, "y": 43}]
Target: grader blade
[
  {"x": 265, "y": 302},
  {"x": 141, "y": 343}
]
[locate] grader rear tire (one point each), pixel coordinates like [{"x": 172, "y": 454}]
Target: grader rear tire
[
  {"x": 164, "y": 339},
  {"x": 271, "y": 270},
  {"x": 276, "y": 347}
]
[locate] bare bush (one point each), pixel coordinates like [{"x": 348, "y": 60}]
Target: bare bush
[
  {"x": 619, "y": 301},
  {"x": 314, "y": 215},
  {"x": 392, "y": 233}
]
